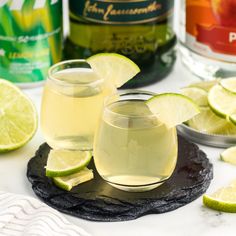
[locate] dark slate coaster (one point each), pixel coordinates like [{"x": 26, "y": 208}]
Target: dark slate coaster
[{"x": 98, "y": 201}]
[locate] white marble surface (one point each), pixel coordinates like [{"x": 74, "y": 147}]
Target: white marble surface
[{"x": 191, "y": 220}]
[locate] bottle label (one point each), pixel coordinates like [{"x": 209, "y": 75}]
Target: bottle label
[
  {"x": 30, "y": 38},
  {"x": 121, "y": 11},
  {"x": 211, "y": 28}
]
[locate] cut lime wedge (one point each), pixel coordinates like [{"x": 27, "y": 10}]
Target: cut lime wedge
[
  {"x": 115, "y": 67},
  {"x": 205, "y": 85},
  {"x": 65, "y": 162},
  {"x": 198, "y": 95},
  {"x": 172, "y": 108},
  {"x": 229, "y": 84},
  {"x": 70, "y": 181},
  {"x": 207, "y": 122},
  {"x": 18, "y": 117},
  {"x": 229, "y": 155},
  {"x": 221, "y": 101},
  {"x": 222, "y": 200}
]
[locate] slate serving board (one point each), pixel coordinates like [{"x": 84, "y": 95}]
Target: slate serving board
[{"x": 98, "y": 201}]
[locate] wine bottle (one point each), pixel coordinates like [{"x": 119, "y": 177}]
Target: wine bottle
[{"x": 139, "y": 29}]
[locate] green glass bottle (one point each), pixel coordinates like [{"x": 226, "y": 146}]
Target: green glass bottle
[{"x": 139, "y": 29}]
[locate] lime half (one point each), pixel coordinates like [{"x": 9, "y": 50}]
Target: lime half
[
  {"x": 222, "y": 200},
  {"x": 229, "y": 155},
  {"x": 221, "y": 101},
  {"x": 18, "y": 117},
  {"x": 198, "y": 95},
  {"x": 229, "y": 84},
  {"x": 112, "y": 66},
  {"x": 172, "y": 108},
  {"x": 66, "y": 162},
  {"x": 70, "y": 181}
]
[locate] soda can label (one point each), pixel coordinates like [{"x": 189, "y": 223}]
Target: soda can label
[{"x": 30, "y": 39}]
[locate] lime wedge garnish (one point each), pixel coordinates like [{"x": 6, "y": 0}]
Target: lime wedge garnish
[
  {"x": 229, "y": 84},
  {"x": 18, "y": 117},
  {"x": 112, "y": 66},
  {"x": 221, "y": 101},
  {"x": 68, "y": 182},
  {"x": 172, "y": 108},
  {"x": 207, "y": 121},
  {"x": 198, "y": 95},
  {"x": 229, "y": 155},
  {"x": 205, "y": 85},
  {"x": 222, "y": 200},
  {"x": 66, "y": 162}
]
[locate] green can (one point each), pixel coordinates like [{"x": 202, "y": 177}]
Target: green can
[{"x": 30, "y": 39}]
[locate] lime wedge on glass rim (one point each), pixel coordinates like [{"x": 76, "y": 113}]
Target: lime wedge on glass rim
[
  {"x": 18, "y": 117},
  {"x": 69, "y": 181},
  {"x": 172, "y": 109},
  {"x": 222, "y": 102},
  {"x": 113, "y": 66},
  {"x": 65, "y": 162},
  {"x": 229, "y": 155},
  {"x": 198, "y": 95},
  {"x": 222, "y": 200},
  {"x": 229, "y": 84}
]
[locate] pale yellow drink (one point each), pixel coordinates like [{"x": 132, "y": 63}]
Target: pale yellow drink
[
  {"x": 71, "y": 105},
  {"x": 133, "y": 151}
]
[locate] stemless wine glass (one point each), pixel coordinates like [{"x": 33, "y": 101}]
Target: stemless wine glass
[
  {"x": 72, "y": 101},
  {"x": 133, "y": 151}
]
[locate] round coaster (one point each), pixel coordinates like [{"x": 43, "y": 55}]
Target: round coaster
[{"x": 98, "y": 201}]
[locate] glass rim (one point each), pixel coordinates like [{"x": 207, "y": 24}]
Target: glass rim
[
  {"x": 127, "y": 93},
  {"x": 63, "y": 82}
]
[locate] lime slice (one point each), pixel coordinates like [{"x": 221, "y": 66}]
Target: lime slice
[
  {"x": 66, "y": 162},
  {"x": 222, "y": 200},
  {"x": 229, "y": 84},
  {"x": 207, "y": 122},
  {"x": 68, "y": 182},
  {"x": 198, "y": 95},
  {"x": 229, "y": 155},
  {"x": 172, "y": 108},
  {"x": 232, "y": 118},
  {"x": 228, "y": 129},
  {"x": 18, "y": 117},
  {"x": 112, "y": 66},
  {"x": 222, "y": 102},
  {"x": 206, "y": 85}
]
